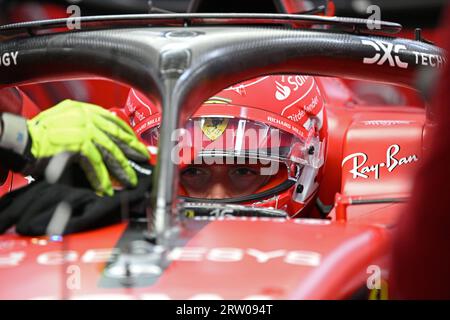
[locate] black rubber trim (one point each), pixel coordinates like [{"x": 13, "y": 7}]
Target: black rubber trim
[
  {"x": 324, "y": 209},
  {"x": 379, "y": 201}
]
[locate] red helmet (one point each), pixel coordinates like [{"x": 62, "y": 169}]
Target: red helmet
[{"x": 274, "y": 123}]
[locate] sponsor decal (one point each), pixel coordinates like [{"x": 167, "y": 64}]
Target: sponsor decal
[
  {"x": 150, "y": 123},
  {"x": 311, "y": 106},
  {"x": 295, "y": 82},
  {"x": 241, "y": 89},
  {"x": 193, "y": 254},
  {"x": 296, "y": 117},
  {"x": 389, "y": 53},
  {"x": 297, "y": 86},
  {"x": 385, "y": 122},
  {"x": 285, "y": 124},
  {"x": 283, "y": 92},
  {"x": 140, "y": 116},
  {"x": 385, "y": 53},
  {"x": 213, "y": 128},
  {"x": 8, "y": 59},
  {"x": 307, "y": 109},
  {"x": 432, "y": 60},
  {"x": 360, "y": 169},
  {"x": 7, "y": 245},
  {"x": 12, "y": 259},
  {"x": 297, "y": 257}
]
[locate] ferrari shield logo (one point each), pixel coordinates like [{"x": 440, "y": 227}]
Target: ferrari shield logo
[{"x": 213, "y": 128}]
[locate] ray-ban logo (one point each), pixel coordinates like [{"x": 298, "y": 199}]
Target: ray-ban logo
[{"x": 360, "y": 169}]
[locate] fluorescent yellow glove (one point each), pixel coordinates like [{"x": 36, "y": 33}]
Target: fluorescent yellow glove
[{"x": 103, "y": 141}]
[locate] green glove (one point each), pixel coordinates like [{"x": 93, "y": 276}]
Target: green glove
[{"x": 103, "y": 140}]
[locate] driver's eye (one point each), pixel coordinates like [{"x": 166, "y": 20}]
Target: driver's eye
[
  {"x": 244, "y": 172},
  {"x": 192, "y": 172}
]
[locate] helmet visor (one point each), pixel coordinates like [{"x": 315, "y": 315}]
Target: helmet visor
[{"x": 234, "y": 159}]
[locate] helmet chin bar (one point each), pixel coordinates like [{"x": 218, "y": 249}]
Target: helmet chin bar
[{"x": 306, "y": 184}]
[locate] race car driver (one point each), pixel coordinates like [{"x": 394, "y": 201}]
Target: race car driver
[
  {"x": 102, "y": 142},
  {"x": 259, "y": 143}
]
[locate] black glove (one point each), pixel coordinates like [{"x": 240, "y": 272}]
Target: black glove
[{"x": 32, "y": 207}]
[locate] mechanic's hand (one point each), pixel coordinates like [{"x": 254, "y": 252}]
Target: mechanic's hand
[
  {"x": 32, "y": 208},
  {"x": 102, "y": 140}
]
